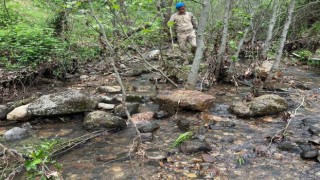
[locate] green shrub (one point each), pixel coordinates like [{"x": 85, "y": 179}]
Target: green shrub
[
  {"x": 182, "y": 138},
  {"x": 39, "y": 161},
  {"x": 22, "y": 45},
  {"x": 304, "y": 54}
]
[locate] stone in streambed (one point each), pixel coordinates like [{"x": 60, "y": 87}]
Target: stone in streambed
[
  {"x": 62, "y": 103},
  {"x": 131, "y": 107},
  {"x": 3, "y": 111},
  {"x": 103, "y": 120},
  {"x": 263, "y": 105},
  {"x": 148, "y": 127},
  {"x": 194, "y": 146},
  {"x": 185, "y": 99},
  {"x": 19, "y": 114}
]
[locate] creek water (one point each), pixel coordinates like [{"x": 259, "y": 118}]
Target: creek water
[{"x": 239, "y": 146}]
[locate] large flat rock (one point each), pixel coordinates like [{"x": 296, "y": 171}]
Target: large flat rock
[
  {"x": 185, "y": 99},
  {"x": 62, "y": 103},
  {"x": 268, "y": 104}
]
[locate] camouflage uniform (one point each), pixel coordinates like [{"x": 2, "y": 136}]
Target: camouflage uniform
[{"x": 185, "y": 25}]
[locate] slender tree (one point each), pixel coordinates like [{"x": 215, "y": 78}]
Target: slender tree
[
  {"x": 275, "y": 65},
  {"x": 223, "y": 45},
  {"x": 236, "y": 55},
  {"x": 272, "y": 22},
  {"x": 200, "y": 44}
]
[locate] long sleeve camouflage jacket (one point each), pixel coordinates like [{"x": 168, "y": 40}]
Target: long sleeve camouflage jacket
[{"x": 184, "y": 23}]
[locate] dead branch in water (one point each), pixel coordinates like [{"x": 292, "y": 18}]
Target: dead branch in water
[{"x": 284, "y": 130}]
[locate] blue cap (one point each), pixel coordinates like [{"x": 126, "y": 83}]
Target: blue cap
[{"x": 179, "y": 5}]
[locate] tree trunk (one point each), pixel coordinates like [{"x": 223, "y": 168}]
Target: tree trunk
[
  {"x": 223, "y": 45},
  {"x": 267, "y": 42},
  {"x": 164, "y": 8},
  {"x": 234, "y": 59},
  {"x": 200, "y": 44},
  {"x": 275, "y": 65}
]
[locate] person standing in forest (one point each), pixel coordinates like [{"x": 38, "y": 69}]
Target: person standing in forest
[{"x": 185, "y": 26}]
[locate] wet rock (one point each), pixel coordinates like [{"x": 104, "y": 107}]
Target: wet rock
[
  {"x": 19, "y": 114},
  {"x": 194, "y": 146},
  {"x": 106, "y": 106},
  {"x": 144, "y": 88},
  {"x": 132, "y": 72},
  {"x": 162, "y": 114},
  {"x": 129, "y": 98},
  {"x": 221, "y": 110},
  {"x": 184, "y": 125},
  {"x": 142, "y": 117},
  {"x": 152, "y": 55},
  {"x": 148, "y": 127},
  {"x": 309, "y": 154},
  {"x": 263, "y": 105},
  {"x": 263, "y": 70},
  {"x": 122, "y": 66},
  {"x": 107, "y": 99},
  {"x": 84, "y": 77},
  {"x": 301, "y": 86},
  {"x": 209, "y": 119},
  {"x": 155, "y": 157},
  {"x": 3, "y": 111},
  {"x": 290, "y": 147},
  {"x": 131, "y": 107},
  {"x": 228, "y": 124},
  {"x": 184, "y": 99},
  {"x": 109, "y": 89},
  {"x": 314, "y": 140},
  {"x": 62, "y": 103},
  {"x": 314, "y": 130},
  {"x": 292, "y": 104},
  {"x": 192, "y": 124},
  {"x": 15, "y": 134},
  {"x": 146, "y": 137},
  {"x": 103, "y": 120},
  {"x": 310, "y": 121}
]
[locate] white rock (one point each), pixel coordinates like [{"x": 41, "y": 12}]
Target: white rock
[
  {"x": 106, "y": 106},
  {"x": 84, "y": 77},
  {"x": 19, "y": 114},
  {"x": 109, "y": 89},
  {"x": 15, "y": 133},
  {"x": 122, "y": 66},
  {"x": 264, "y": 69}
]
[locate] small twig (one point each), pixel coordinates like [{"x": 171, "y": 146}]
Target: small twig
[{"x": 235, "y": 83}]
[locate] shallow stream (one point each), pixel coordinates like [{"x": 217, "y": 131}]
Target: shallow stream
[{"x": 239, "y": 145}]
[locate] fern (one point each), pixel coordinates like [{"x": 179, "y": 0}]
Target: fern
[{"x": 182, "y": 137}]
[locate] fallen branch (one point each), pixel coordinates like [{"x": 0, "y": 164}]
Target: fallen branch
[{"x": 284, "y": 130}]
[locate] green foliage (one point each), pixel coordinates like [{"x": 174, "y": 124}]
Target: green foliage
[
  {"x": 304, "y": 54},
  {"x": 39, "y": 159},
  {"x": 240, "y": 161},
  {"x": 182, "y": 138},
  {"x": 23, "y": 45}
]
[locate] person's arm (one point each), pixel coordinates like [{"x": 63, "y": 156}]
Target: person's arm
[
  {"x": 171, "y": 21},
  {"x": 194, "y": 21}
]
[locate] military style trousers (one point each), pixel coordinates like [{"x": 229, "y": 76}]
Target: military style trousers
[{"x": 184, "y": 39}]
